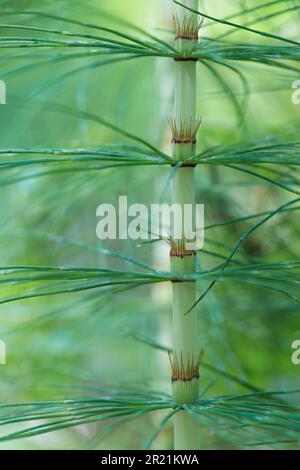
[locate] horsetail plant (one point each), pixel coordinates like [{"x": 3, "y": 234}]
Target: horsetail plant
[
  {"x": 184, "y": 125},
  {"x": 253, "y": 417}
]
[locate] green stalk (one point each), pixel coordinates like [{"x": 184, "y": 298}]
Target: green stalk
[{"x": 185, "y": 360}]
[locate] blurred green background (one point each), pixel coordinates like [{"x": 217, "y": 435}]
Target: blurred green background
[{"x": 71, "y": 344}]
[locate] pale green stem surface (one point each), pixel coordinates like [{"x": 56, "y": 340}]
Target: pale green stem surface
[{"x": 185, "y": 334}]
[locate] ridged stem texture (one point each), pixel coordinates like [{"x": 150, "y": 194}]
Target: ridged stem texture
[{"x": 185, "y": 358}]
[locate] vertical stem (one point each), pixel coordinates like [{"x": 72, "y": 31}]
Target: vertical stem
[
  {"x": 185, "y": 360},
  {"x": 186, "y": 429}
]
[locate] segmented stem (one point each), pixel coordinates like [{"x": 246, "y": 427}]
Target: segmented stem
[{"x": 184, "y": 124}]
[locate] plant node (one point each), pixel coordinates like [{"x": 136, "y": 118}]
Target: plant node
[
  {"x": 185, "y": 59},
  {"x": 188, "y": 28},
  {"x": 180, "y": 250},
  {"x": 184, "y": 132},
  {"x": 185, "y": 377}
]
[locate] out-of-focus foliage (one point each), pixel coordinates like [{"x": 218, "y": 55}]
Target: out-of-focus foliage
[{"x": 86, "y": 120}]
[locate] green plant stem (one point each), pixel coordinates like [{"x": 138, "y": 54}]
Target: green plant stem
[
  {"x": 185, "y": 107},
  {"x": 185, "y": 336}
]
